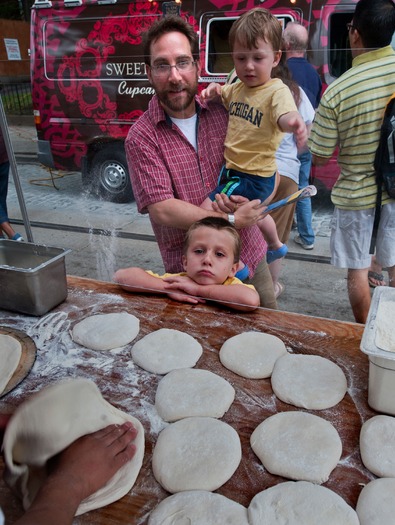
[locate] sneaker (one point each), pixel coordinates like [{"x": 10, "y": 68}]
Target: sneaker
[
  {"x": 298, "y": 240},
  {"x": 18, "y": 237}
]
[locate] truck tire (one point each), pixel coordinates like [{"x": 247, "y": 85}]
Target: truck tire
[{"x": 109, "y": 175}]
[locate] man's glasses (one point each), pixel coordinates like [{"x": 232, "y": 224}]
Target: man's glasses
[
  {"x": 163, "y": 70},
  {"x": 350, "y": 26}
]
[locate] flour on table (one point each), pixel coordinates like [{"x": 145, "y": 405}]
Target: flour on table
[
  {"x": 308, "y": 381},
  {"x": 49, "y": 422},
  {"x": 300, "y": 503},
  {"x": 376, "y": 502},
  {"x": 385, "y": 333},
  {"x": 191, "y": 392},
  {"x": 196, "y": 453},
  {"x": 198, "y": 507},
  {"x": 377, "y": 445},
  {"x": 252, "y": 354},
  {"x": 10, "y": 355},
  {"x": 297, "y": 445},
  {"x": 165, "y": 350},
  {"x": 106, "y": 331}
]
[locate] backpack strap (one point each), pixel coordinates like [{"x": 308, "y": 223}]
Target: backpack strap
[{"x": 379, "y": 175}]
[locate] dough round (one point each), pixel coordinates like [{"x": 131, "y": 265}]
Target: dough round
[
  {"x": 10, "y": 355},
  {"x": 196, "y": 453},
  {"x": 165, "y": 350},
  {"x": 198, "y": 507},
  {"x": 300, "y": 503},
  {"x": 297, "y": 445},
  {"x": 377, "y": 445},
  {"x": 308, "y": 381},
  {"x": 48, "y": 423},
  {"x": 252, "y": 354},
  {"x": 106, "y": 331},
  {"x": 190, "y": 392},
  {"x": 376, "y": 503}
]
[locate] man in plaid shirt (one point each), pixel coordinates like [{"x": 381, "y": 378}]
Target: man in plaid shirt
[{"x": 175, "y": 154}]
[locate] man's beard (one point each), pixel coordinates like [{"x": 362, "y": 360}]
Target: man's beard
[{"x": 174, "y": 104}]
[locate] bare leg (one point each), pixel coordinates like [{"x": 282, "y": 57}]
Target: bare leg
[
  {"x": 269, "y": 231},
  {"x": 7, "y": 229},
  {"x": 359, "y": 293},
  {"x": 275, "y": 271}
]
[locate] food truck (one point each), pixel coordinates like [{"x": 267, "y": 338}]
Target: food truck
[{"x": 89, "y": 83}]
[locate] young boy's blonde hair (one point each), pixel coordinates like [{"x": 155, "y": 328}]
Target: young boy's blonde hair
[
  {"x": 254, "y": 24},
  {"x": 216, "y": 223}
]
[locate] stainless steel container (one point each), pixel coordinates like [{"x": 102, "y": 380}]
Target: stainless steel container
[
  {"x": 32, "y": 277},
  {"x": 381, "y": 394}
]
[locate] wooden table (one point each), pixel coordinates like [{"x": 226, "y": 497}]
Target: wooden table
[{"x": 133, "y": 390}]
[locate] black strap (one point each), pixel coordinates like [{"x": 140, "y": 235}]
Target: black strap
[{"x": 377, "y": 213}]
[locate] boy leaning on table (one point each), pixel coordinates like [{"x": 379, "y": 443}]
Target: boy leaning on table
[{"x": 210, "y": 259}]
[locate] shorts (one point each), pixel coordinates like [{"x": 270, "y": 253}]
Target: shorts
[
  {"x": 283, "y": 217},
  {"x": 233, "y": 182},
  {"x": 351, "y": 235}
]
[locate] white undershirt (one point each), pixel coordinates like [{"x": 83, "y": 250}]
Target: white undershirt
[{"x": 188, "y": 128}]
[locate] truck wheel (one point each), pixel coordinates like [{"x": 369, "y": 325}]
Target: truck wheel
[{"x": 109, "y": 175}]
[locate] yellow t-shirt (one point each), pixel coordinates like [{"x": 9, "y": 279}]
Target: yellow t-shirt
[
  {"x": 228, "y": 281},
  {"x": 253, "y": 134}
]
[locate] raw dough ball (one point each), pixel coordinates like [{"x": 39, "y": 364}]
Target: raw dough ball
[
  {"x": 300, "y": 503},
  {"x": 376, "y": 503},
  {"x": 198, "y": 507},
  {"x": 252, "y": 354},
  {"x": 297, "y": 445},
  {"x": 106, "y": 331},
  {"x": 308, "y": 381},
  {"x": 385, "y": 335},
  {"x": 10, "y": 355},
  {"x": 165, "y": 350},
  {"x": 196, "y": 453},
  {"x": 189, "y": 392},
  {"x": 48, "y": 423},
  {"x": 377, "y": 444}
]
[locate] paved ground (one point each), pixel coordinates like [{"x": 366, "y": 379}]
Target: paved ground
[{"x": 57, "y": 207}]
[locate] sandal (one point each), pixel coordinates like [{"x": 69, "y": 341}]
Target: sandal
[
  {"x": 278, "y": 289},
  {"x": 378, "y": 277}
]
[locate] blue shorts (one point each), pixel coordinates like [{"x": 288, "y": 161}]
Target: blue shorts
[{"x": 233, "y": 182}]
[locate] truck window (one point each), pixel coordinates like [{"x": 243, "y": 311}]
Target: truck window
[
  {"x": 339, "y": 59},
  {"x": 218, "y": 56}
]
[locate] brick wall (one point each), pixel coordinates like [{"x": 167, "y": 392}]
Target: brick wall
[{"x": 14, "y": 70}]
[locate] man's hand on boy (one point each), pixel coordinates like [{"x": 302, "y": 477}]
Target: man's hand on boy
[{"x": 247, "y": 213}]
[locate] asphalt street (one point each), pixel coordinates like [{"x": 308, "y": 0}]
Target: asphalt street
[{"x": 104, "y": 236}]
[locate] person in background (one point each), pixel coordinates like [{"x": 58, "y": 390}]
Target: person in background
[
  {"x": 295, "y": 39},
  {"x": 289, "y": 167},
  {"x": 210, "y": 258},
  {"x": 349, "y": 116},
  {"x": 5, "y": 226},
  {"x": 79, "y": 471},
  {"x": 260, "y": 109},
  {"x": 175, "y": 152}
]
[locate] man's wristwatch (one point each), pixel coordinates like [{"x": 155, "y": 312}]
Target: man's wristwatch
[{"x": 231, "y": 218}]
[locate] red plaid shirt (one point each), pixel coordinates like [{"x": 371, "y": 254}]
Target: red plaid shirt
[{"x": 164, "y": 165}]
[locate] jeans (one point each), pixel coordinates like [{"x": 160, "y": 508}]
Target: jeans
[
  {"x": 4, "y": 171},
  {"x": 303, "y": 207}
]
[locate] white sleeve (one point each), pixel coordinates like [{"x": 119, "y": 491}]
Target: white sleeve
[{"x": 305, "y": 108}]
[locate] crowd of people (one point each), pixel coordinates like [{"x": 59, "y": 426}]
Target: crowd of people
[{"x": 176, "y": 152}]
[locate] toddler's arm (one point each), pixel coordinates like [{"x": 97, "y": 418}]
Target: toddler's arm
[
  {"x": 292, "y": 122},
  {"x": 212, "y": 93}
]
